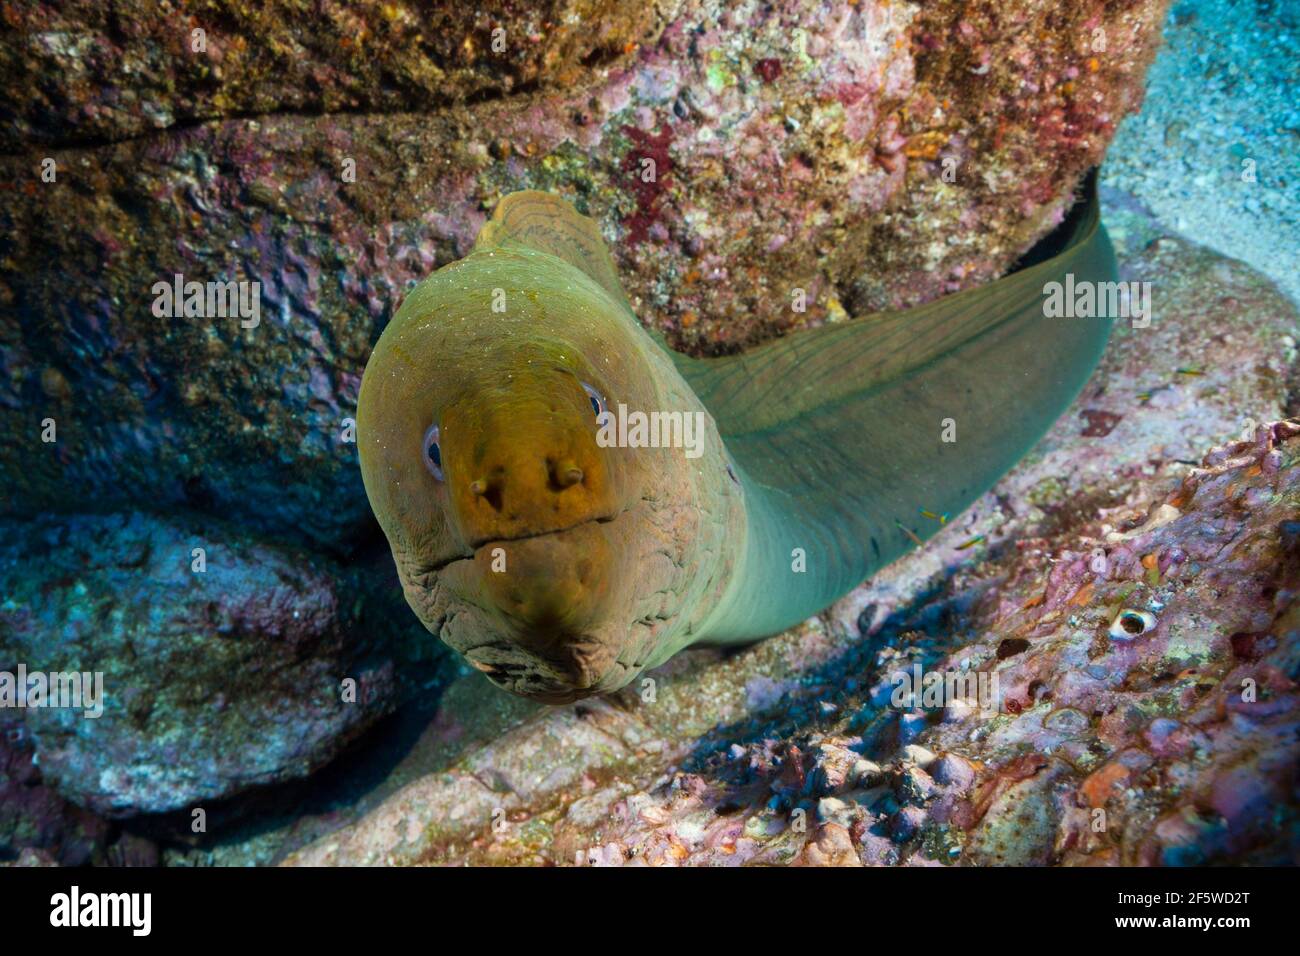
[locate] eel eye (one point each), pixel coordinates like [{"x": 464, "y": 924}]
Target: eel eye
[
  {"x": 433, "y": 452},
  {"x": 597, "y": 400}
]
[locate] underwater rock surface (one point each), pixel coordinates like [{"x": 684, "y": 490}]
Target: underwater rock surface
[
  {"x": 1135, "y": 750},
  {"x": 139, "y": 67},
  {"x": 34, "y": 819},
  {"x": 214, "y": 681},
  {"x": 1132, "y": 587},
  {"x": 793, "y": 145},
  {"x": 739, "y": 158}
]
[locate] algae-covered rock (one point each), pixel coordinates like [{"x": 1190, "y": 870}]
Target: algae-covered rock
[
  {"x": 755, "y": 167},
  {"x": 219, "y": 663}
]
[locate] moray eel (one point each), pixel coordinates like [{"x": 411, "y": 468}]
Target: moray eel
[{"x": 562, "y": 567}]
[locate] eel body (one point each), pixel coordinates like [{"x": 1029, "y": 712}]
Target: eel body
[{"x": 562, "y": 564}]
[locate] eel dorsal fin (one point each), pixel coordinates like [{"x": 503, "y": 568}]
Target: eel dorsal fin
[
  {"x": 547, "y": 223},
  {"x": 839, "y": 431}
]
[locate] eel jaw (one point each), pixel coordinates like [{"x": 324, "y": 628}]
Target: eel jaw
[
  {"x": 549, "y": 614},
  {"x": 589, "y": 671}
]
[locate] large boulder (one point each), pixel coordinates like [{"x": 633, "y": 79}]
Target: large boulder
[
  {"x": 225, "y": 663},
  {"x": 741, "y": 159},
  {"x": 137, "y": 67}
]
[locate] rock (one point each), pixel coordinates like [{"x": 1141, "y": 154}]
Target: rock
[
  {"x": 834, "y": 809},
  {"x": 830, "y": 846},
  {"x": 740, "y": 159},
  {"x": 832, "y": 768},
  {"x": 445, "y": 807},
  {"x": 1020, "y": 827},
  {"x": 915, "y": 786},
  {"x": 132, "y": 850},
  {"x": 917, "y": 755},
  {"x": 955, "y": 772},
  {"x": 867, "y": 773},
  {"x": 213, "y": 682},
  {"x": 907, "y": 823},
  {"x": 542, "y": 758},
  {"x": 1072, "y": 761},
  {"x": 35, "y": 822},
  {"x": 141, "y": 69}
]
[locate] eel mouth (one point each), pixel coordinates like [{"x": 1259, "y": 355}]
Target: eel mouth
[
  {"x": 550, "y": 627},
  {"x": 479, "y": 544}
]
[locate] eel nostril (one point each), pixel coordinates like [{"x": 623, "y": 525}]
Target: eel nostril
[
  {"x": 489, "y": 489},
  {"x": 564, "y": 474}
]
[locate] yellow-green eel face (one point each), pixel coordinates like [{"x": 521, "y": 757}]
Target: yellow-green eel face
[{"x": 557, "y": 567}]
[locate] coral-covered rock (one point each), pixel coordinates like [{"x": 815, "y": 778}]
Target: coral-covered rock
[
  {"x": 1128, "y": 600},
  {"x": 220, "y": 671},
  {"x": 744, "y": 160},
  {"x": 137, "y": 67}
]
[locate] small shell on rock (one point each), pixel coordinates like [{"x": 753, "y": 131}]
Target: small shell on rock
[
  {"x": 954, "y": 771},
  {"x": 1131, "y": 623},
  {"x": 1068, "y": 721},
  {"x": 832, "y": 809}
]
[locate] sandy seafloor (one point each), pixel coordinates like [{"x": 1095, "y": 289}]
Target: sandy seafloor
[{"x": 1223, "y": 91}]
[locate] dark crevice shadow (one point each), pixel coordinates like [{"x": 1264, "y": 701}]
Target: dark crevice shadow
[{"x": 1058, "y": 240}]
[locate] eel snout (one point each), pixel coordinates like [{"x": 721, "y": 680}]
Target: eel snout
[
  {"x": 536, "y": 499},
  {"x": 527, "y": 467}
]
